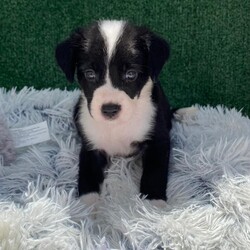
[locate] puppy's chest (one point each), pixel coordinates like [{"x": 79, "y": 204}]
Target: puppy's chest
[{"x": 118, "y": 139}]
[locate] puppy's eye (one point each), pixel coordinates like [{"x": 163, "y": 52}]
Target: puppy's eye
[
  {"x": 131, "y": 75},
  {"x": 90, "y": 75}
]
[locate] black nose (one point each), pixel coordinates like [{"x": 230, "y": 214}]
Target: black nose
[{"x": 110, "y": 110}]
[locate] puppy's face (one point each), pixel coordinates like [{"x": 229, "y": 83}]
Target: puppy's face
[{"x": 116, "y": 65}]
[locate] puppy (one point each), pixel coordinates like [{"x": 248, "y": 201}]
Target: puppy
[{"x": 122, "y": 109}]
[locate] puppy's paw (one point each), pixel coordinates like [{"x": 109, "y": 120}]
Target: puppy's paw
[
  {"x": 91, "y": 201},
  {"x": 159, "y": 203},
  {"x": 185, "y": 114}
]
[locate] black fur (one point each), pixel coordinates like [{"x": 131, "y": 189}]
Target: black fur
[
  {"x": 152, "y": 53},
  {"x": 155, "y": 158}
]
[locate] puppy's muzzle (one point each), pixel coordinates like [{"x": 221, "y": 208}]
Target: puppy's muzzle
[{"x": 110, "y": 110}]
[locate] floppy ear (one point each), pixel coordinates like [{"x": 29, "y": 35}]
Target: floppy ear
[
  {"x": 159, "y": 52},
  {"x": 66, "y": 59}
]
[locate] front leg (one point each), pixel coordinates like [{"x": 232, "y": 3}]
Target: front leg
[
  {"x": 91, "y": 166},
  {"x": 155, "y": 162}
]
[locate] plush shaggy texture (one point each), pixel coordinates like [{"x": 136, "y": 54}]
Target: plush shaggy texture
[
  {"x": 7, "y": 151},
  {"x": 208, "y": 191}
]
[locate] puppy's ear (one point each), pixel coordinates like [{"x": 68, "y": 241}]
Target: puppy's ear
[
  {"x": 66, "y": 59},
  {"x": 159, "y": 51}
]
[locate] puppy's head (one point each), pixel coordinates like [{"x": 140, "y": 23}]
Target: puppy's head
[{"x": 116, "y": 64}]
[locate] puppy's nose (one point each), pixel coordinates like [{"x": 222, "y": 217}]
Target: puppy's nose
[{"x": 110, "y": 110}]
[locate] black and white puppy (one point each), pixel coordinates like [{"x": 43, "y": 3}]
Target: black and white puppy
[{"x": 122, "y": 109}]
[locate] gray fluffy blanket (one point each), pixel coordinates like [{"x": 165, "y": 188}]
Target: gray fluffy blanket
[{"x": 208, "y": 193}]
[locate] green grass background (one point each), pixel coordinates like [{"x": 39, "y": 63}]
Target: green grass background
[{"x": 210, "y": 41}]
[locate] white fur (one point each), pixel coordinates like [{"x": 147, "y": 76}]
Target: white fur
[
  {"x": 91, "y": 202},
  {"x": 111, "y": 31},
  {"x": 158, "y": 203},
  {"x": 90, "y": 199},
  {"x": 133, "y": 123}
]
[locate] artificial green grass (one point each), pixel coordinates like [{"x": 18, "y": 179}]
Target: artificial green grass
[{"x": 210, "y": 41}]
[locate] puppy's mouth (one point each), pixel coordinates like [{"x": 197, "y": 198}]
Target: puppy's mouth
[
  {"x": 110, "y": 111},
  {"x": 111, "y": 106}
]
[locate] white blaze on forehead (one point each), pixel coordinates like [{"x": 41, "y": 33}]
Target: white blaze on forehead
[{"x": 111, "y": 31}]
